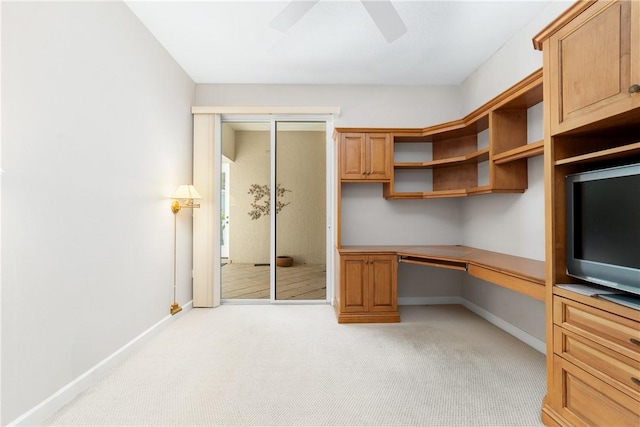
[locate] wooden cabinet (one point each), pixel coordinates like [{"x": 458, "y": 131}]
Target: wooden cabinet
[
  {"x": 591, "y": 58},
  {"x": 368, "y": 288},
  {"x": 365, "y": 156},
  {"x": 594, "y": 64},
  {"x": 484, "y": 152},
  {"x": 595, "y": 363}
]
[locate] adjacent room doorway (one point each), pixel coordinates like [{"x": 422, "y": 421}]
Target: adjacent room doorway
[{"x": 274, "y": 252}]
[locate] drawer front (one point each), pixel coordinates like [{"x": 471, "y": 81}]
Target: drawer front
[
  {"x": 607, "y": 329},
  {"x": 620, "y": 371},
  {"x": 587, "y": 401}
]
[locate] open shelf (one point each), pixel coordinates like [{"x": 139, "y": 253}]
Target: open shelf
[
  {"x": 485, "y": 189},
  {"x": 461, "y": 192},
  {"x": 427, "y": 194},
  {"x": 481, "y": 153},
  {"x": 608, "y": 154},
  {"x": 475, "y": 157},
  {"x": 522, "y": 152}
]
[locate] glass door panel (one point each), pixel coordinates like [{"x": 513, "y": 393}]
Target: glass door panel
[
  {"x": 300, "y": 228},
  {"x": 246, "y": 175}
]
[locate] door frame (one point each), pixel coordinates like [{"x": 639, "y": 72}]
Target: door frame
[
  {"x": 207, "y": 159},
  {"x": 224, "y": 233}
]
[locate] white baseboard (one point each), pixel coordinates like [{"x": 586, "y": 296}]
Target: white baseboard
[
  {"x": 489, "y": 317},
  {"x": 507, "y": 327},
  {"x": 53, "y": 403},
  {"x": 429, "y": 300}
]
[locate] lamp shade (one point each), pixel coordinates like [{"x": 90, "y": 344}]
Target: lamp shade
[{"x": 186, "y": 192}]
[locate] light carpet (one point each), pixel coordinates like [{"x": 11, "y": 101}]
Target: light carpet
[{"x": 294, "y": 365}]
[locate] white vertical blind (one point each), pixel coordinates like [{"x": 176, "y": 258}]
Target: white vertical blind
[{"x": 206, "y": 155}]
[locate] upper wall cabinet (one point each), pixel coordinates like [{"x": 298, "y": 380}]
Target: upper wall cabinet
[
  {"x": 365, "y": 156},
  {"x": 485, "y": 152},
  {"x": 595, "y": 61}
]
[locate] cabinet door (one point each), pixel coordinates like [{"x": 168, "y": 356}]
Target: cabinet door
[
  {"x": 378, "y": 154},
  {"x": 352, "y": 156},
  {"x": 365, "y": 156},
  {"x": 584, "y": 400},
  {"x": 383, "y": 282},
  {"x": 595, "y": 59},
  {"x": 354, "y": 284}
]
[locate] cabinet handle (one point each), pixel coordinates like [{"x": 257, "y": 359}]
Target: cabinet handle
[
  {"x": 634, "y": 88},
  {"x": 634, "y": 341},
  {"x": 635, "y": 381}
]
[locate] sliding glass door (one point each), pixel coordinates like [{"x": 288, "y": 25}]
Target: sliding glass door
[
  {"x": 245, "y": 180},
  {"x": 275, "y": 251},
  {"x": 300, "y": 238}
]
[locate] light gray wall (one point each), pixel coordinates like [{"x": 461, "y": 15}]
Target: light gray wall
[
  {"x": 369, "y": 219},
  {"x": 361, "y": 106},
  {"x": 419, "y": 281},
  {"x": 515, "y": 60},
  {"x": 520, "y": 230},
  {"x": 96, "y": 135}
]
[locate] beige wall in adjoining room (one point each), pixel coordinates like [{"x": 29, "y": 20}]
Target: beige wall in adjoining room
[
  {"x": 301, "y": 224},
  {"x": 301, "y": 168},
  {"x": 248, "y": 238}
]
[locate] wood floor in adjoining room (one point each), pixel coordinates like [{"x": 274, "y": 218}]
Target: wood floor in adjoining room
[{"x": 298, "y": 282}]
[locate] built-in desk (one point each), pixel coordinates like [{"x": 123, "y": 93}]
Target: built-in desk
[{"x": 368, "y": 282}]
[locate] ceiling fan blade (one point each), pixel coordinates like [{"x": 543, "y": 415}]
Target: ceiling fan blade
[
  {"x": 291, "y": 14},
  {"x": 386, "y": 18}
]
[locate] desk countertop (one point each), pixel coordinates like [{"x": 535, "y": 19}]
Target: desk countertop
[{"x": 530, "y": 270}]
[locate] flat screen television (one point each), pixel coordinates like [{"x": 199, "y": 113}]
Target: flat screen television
[{"x": 603, "y": 227}]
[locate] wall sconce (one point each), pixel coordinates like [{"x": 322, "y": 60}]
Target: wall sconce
[{"x": 187, "y": 193}]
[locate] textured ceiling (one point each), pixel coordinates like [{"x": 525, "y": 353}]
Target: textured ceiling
[{"x": 336, "y": 42}]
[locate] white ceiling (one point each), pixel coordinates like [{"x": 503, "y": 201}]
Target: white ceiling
[{"x": 336, "y": 42}]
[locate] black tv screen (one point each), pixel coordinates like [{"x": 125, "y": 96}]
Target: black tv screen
[{"x": 603, "y": 227}]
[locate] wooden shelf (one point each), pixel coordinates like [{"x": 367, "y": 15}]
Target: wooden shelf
[
  {"x": 475, "y": 157},
  {"x": 458, "y": 166},
  {"x": 410, "y": 165},
  {"x": 486, "y": 189},
  {"x": 461, "y": 192},
  {"x": 428, "y": 194},
  {"x": 523, "y": 152},
  {"x": 406, "y": 195},
  {"x": 608, "y": 154}
]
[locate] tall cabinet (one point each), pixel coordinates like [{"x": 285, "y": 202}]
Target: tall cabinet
[{"x": 592, "y": 120}]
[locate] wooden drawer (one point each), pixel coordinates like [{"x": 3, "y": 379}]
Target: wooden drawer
[
  {"x": 587, "y": 401},
  {"x": 617, "y": 333},
  {"x": 620, "y": 371}
]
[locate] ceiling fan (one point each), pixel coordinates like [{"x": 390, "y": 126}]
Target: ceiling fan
[{"x": 381, "y": 11}]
